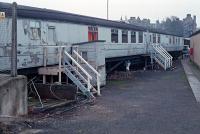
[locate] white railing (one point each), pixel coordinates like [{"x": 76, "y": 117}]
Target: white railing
[
  {"x": 92, "y": 68},
  {"x": 59, "y": 57},
  {"x": 166, "y": 57},
  {"x": 89, "y": 77}
]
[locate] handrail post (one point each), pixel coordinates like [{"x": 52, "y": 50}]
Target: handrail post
[
  {"x": 60, "y": 64},
  {"x": 88, "y": 84},
  {"x": 45, "y": 51},
  {"x": 98, "y": 86}
]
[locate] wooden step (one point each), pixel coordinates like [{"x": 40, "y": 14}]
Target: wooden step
[{"x": 52, "y": 70}]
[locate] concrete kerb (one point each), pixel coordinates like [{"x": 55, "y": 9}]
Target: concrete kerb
[{"x": 192, "y": 79}]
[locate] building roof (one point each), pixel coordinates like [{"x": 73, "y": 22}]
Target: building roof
[
  {"x": 195, "y": 33},
  {"x": 47, "y": 14}
]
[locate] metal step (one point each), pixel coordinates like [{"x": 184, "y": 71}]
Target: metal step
[{"x": 75, "y": 76}]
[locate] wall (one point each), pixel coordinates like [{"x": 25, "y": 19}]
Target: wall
[
  {"x": 13, "y": 95},
  {"x": 195, "y": 44}
]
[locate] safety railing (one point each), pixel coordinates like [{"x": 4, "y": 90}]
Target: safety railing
[
  {"x": 162, "y": 56},
  {"x": 93, "y": 69},
  {"x": 89, "y": 77}
]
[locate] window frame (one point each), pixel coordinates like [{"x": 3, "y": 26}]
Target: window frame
[
  {"x": 54, "y": 34},
  {"x": 133, "y": 40},
  {"x": 93, "y": 34},
  {"x": 124, "y": 36},
  {"x": 154, "y": 38},
  {"x": 114, "y": 35},
  {"x": 35, "y": 27},
  {"x": 140, "y": 34}
]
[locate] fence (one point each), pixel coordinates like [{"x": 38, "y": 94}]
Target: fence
[{"x": 8, "y": 40}]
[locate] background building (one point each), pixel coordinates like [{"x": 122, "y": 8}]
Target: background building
[
  {"x": 172, "y": 24},
  {"x": 195, "y": 47}
]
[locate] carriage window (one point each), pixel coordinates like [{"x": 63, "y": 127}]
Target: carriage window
[
  {"x": 158, "y": 38},
  {"x": 150, "y": 39},
  {"x": 140, "y": 37},
  {"x": 124, "y": 36},
  {"x": 35, "y": 33},
  {"x": 173, "y": 40},
  {"x": 179, "y": 41},
  {"x": 114, "y": 35},
  {"x": 85, "y": 56},
  {"x": 92, "y": 33},
  {"x": 170, "y": 40},
  {"x": 154, "y": 38},
  {"x": 133, "y": 37}
]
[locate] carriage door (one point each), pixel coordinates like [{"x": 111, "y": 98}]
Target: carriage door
[{"x": 51, "y": 35}]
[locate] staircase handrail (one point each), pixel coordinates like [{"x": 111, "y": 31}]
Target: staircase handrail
[
  {"x": 158, "y": 51},
  {"x": 164, "y": 50},
  {"x": 92, "y": 68},
  {"x": 79, "y": 66}
]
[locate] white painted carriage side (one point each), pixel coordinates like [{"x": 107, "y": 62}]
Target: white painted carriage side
[
  {"x": 104, "y": 34},
  {"x": 5, "y": 29},
  {"x": 30, "y": 51},
  {"x": 120, "y": 36},
  {"x": 121, "y": 49}
]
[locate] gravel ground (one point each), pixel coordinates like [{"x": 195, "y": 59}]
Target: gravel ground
[{"x": 153, "y": 102}]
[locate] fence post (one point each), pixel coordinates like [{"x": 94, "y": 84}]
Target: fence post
[{"x": 14, "y": 41}]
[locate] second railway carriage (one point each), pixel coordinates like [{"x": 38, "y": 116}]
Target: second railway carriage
[{"x": 38, "y": 27}]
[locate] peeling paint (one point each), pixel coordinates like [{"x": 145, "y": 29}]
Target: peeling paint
[{"x": 34, "y": 58}]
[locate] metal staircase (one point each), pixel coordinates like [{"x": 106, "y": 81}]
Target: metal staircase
[
  {"x": 80, "y": 77},
  {"x": 161, "y": 56}
]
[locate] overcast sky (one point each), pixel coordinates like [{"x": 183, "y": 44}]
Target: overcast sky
[{"x": 153, "y": 9}]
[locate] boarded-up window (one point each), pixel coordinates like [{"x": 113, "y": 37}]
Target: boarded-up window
[
  {"x": 124, "y": 36},
  {"x": 92, "y": 33},
  {"x": 140, "y": 37},
  {"x": 114, "y": 35},
  {"x": 51, "y": 34},
  {"x": 133, "y": 37},
  {"x": 35, "y": 33}
]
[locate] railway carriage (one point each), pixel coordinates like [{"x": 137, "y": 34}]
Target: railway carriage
[{"x": 100, "y": 41}]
